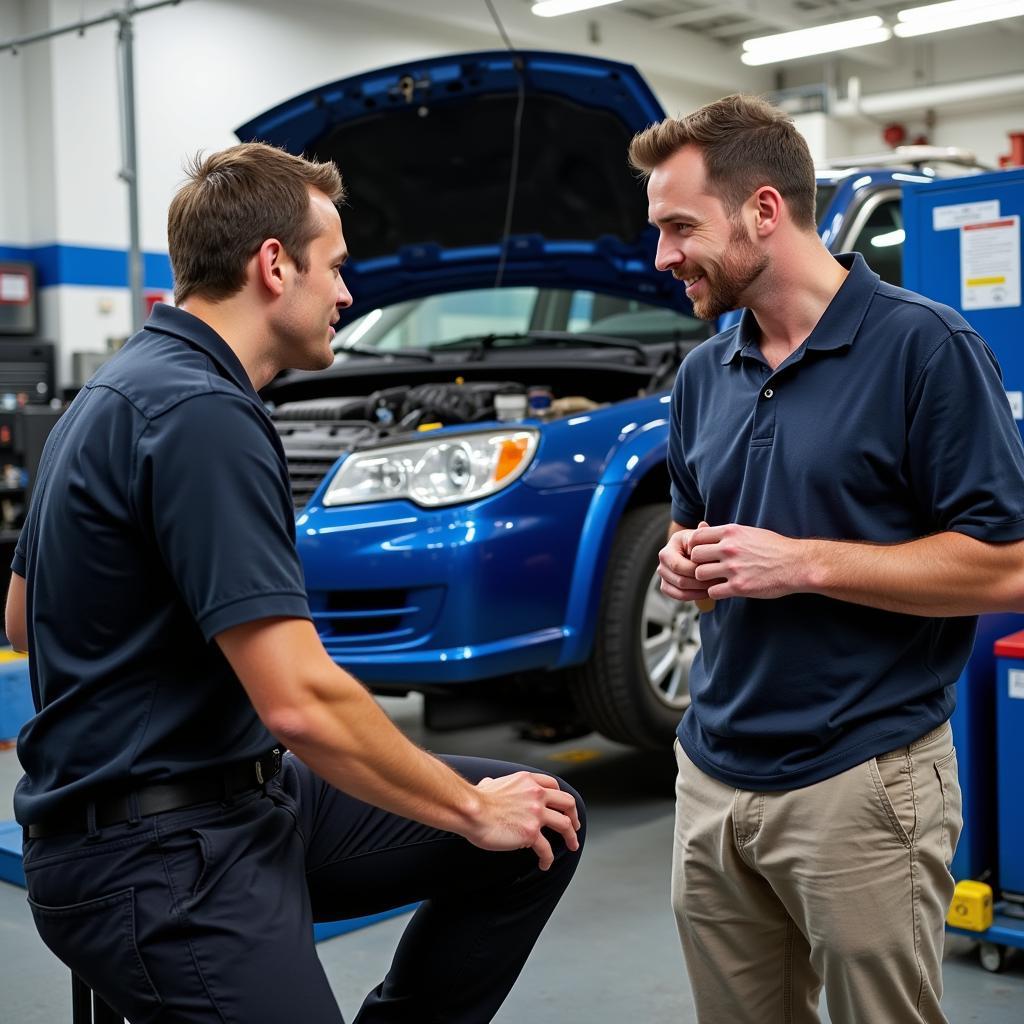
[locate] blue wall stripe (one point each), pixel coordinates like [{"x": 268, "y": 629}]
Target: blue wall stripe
[{"x": 99, "y": 268}]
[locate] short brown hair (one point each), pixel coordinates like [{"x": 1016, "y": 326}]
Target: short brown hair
[
  {"x": 232, "y": 202},
  {"x": 746, "y": 143}
]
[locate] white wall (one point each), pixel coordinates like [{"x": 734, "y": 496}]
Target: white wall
[
  {"x": 825, "y": 135},
  {"x": 26, "y": 131},
  {"x": 983, "y": 132},
  {"x": 907, "y": 68},
  {"x": 13, "y": 219},
  {"x": 41, "y": 169}
]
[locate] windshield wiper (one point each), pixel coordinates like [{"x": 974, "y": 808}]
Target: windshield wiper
[
  {"x": 481, "y": 341},
  {"x": 390, "y": 354},
  {"x": 484, "y": 342},
  {"x": 594, "y": 340}
]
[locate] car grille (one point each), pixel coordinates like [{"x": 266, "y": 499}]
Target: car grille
[{"x": 311, "y": 448}]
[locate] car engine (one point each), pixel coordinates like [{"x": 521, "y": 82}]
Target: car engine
[{"x": 315, "y": 432}]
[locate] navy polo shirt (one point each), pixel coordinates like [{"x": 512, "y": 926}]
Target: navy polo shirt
[
  {"x": 887, "y": 424},
  {"x": 161, "y": 515}
]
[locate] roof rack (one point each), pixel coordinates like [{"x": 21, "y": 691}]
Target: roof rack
[{"x": 910, "y": 156}]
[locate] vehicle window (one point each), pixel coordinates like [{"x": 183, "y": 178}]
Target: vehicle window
[
  {"x": 629, "y": 318},
  {"x": 881, "y": 241},
  {"x": 822, "y": 197},
  {"x": 437, "y": 319},
  {"x": 423, "y": 322},
  {"x": 581, "y": 312}
]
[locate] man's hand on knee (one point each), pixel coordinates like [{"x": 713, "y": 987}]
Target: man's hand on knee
[{"x": 515, "y": 808}]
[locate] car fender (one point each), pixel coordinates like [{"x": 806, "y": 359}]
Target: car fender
[{"x": 642, "y": 452}]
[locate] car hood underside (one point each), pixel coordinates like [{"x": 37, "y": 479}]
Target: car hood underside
[{"x": 428, "y": 150}]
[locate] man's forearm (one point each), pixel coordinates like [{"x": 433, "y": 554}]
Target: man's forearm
[
  {"x": 948, "y": 574},
  {"x": 332, "y": 723},
  {"x": 345, "y": 737}
]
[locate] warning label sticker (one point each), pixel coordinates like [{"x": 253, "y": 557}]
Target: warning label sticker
[
  {"x": 1016, "y": 683},
  {"x": 990, "y": 264},
  {"x": 945, "y": 218}
]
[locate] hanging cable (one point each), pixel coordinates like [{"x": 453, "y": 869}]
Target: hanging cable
[
  {"x": 517, "y": 131},
  {"x": 501, "y": 27}
]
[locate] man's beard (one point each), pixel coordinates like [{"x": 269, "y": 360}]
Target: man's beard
[{"x": 742, "y": 264}]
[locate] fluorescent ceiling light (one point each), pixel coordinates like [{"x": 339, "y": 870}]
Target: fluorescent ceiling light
[
  {"x": 919, "y": 21},
  {"x": 552, "y": 8},
  {"x": 805, "y": 42}
]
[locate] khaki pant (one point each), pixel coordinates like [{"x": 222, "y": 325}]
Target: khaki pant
[{"x": 844, "y": 883}]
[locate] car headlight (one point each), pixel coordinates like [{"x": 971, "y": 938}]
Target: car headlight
[{"x": 439, "y": 471}]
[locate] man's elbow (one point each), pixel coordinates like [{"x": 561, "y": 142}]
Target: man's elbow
[
  {"x": 1000, "y": 586},
  {"x": 290, "y": 724},
  {"x": 305, "y": 712},
  {"x": 1014, "y": 581},
  {"x": 15, "y": 619},
  {"x": 1006, "y": 598},
  {"x": 315, "y": 712},
  {"x": 17, "y": 635}
]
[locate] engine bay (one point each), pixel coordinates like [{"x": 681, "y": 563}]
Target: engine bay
[
  {"x": 410, "y": 407},
  {"x": 316, "y": 431}
]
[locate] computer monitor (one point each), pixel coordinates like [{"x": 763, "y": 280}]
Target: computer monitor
[{"x": 27, "y": 372}]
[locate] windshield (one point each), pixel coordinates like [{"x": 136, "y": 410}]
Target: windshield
[{"x": 511, "y": 314}]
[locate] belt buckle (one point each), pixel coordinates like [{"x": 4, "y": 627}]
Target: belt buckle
[{"x": 275, "y": 766}]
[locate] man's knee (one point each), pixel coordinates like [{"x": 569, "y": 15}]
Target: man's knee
[
  {"x": 561, "y": 851},
  {"x": 679, "y": 902},
  {"x": 581, "y": 808}
]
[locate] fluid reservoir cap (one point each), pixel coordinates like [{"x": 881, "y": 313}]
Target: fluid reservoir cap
[{"x": 539, "y": 398}]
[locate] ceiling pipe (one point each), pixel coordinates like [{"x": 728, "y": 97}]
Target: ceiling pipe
[{"x": 856, "y": 104}]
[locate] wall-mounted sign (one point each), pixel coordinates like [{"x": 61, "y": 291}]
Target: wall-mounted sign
[
  {"x": 990, "y": 264},
  {"x": 15, "y": 287}
]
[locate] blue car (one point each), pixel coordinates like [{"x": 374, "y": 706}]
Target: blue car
[{"x": 480, "y": 480}]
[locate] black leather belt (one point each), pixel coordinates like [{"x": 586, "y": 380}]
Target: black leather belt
[{"x": 221, "y": 784}]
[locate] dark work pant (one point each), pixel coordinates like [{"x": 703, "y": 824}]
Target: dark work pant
[{"x": 206, "y": 914}]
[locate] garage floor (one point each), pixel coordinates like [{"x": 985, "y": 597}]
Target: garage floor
[{"x": 610, "y": 952}]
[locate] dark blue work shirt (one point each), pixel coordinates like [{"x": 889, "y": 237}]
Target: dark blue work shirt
[
  {"x": 161, "y": 515},
  {"x": 887, "y": 424}
]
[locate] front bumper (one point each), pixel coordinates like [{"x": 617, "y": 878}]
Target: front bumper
[{"x": 406, "y": 596}]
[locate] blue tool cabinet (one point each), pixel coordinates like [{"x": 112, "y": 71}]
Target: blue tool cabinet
[{"x": 960, "y": 237}]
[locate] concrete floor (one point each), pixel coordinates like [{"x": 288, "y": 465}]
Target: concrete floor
[{"x": 610, "y": 952}]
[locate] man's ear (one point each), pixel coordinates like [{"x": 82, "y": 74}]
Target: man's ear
[
  {"x": 272, "y": 264},
  {"x": 767, "y": 209}
]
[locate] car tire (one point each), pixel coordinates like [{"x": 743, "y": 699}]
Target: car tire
[{"x": 635, "y": 684}]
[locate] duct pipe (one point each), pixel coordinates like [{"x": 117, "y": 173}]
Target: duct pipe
[{"x": 924, "y": 97}]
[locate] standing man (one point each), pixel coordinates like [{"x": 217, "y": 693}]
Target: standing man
[
  {"x": 174, "y": 860},
  {"x": 848, "y": 492}
]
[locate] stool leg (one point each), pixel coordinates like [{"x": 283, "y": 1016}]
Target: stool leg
[
  {"x": 81, "y": 1001},
  {"x": 103, "y": 1013},
  {"x": 88, "y": 1008}
]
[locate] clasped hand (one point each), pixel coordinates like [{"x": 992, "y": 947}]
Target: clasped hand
[{"x": 718, "y": 562}]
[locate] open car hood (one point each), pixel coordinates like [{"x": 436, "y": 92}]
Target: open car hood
[{"x": 426, "y": 152}]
